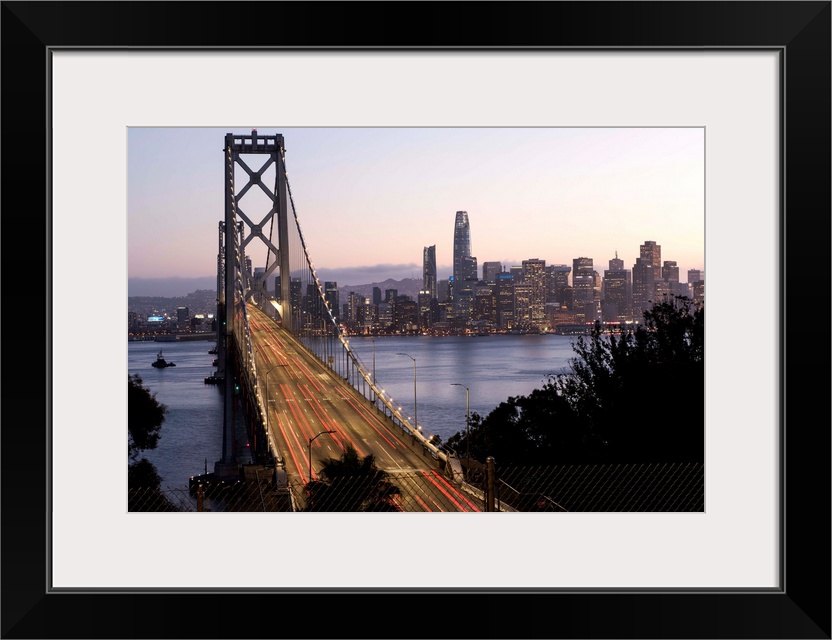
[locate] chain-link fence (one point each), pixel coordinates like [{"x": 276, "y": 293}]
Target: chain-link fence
[
  {"x": 607, "y": 487},
  {"x": 573, "y": 488}
]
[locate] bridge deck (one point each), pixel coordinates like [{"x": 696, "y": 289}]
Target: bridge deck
[{"x": 305, "y": 399}]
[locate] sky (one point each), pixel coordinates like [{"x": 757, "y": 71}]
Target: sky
[{"x": 370, "y": 199}]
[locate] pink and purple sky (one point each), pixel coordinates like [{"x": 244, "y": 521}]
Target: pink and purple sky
[{"x": 370, "y": 199}]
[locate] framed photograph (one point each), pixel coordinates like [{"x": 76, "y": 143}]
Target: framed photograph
[{"x": 754, "y": 75}]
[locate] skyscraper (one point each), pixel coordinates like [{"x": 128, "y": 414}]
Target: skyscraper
[
  {"x": 534, "y": 274},
  {"x": 465, "y": 267},
  {"x": 653, "y": 253},
  {"x": 583, "y": 280},
  {"x": 462, "y": 248},
  {"x": 670, "y": 271},
  {"x": 505, "y": 300},
  {"x": 429, "y": 271},
  {"x": 490, "y": 271},
  {"x": 332, "y": 299},
  {"x": 618, "y": 292},
  {"x": 557, "y": 282},
  {"x": 183, "y": 318},
  {"x": 462, "y": 242},
  {"x": 644, "y": 287}
]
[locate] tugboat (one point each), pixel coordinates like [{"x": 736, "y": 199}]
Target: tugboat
[{"x": 161, "y": 363}]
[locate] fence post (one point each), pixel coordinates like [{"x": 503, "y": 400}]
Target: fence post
[
  {"x": 200, "y": 497},
  {"x": 489, "y": 484}
]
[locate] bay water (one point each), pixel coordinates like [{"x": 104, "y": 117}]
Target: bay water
[{"x": 493, "y": 367}]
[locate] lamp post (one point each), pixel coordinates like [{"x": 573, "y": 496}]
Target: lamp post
[
  {"x": 311, "y": 440},
  {"x": 415, "y": 411},
  {"x": 467, "y": 427}
]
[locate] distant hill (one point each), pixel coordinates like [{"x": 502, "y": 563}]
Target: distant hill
[
  {"x": 199, "y": 301},
  {"x": 407, "y": 287},
  {"x": 146, "y": 295},
  {"x": 169, "y": 287}
]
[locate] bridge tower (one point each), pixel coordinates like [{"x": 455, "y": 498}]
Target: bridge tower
[{"x": 236, "y": 285}]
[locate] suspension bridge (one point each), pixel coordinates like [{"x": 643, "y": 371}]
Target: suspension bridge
[{"x": 282, "y": 358}]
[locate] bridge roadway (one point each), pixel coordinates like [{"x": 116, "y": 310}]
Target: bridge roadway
[{"x": 304, "y": 398}]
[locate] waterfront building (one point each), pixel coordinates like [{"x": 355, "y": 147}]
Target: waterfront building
[
  {"x": 559, "y": 316},
  {"x": 183, "y": 318},
  {"x": 405, "y": 314},
  {"x": 385, "y": 315}
]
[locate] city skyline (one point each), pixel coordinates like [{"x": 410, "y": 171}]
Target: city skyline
[{"x": 370, "y": 200}]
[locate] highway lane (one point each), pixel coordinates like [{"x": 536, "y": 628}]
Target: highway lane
[{"x": 305, "y": 398}]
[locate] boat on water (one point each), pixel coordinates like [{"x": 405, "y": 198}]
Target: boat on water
[
  {"x": 213, "y": 351},
  {"x": 161, "y": 363}
]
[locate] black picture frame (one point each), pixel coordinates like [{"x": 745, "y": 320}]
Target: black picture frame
[{"x": 800, "y": 31}]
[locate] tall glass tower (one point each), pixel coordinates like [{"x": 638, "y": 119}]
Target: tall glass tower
[{"x": 462, "y": 245}]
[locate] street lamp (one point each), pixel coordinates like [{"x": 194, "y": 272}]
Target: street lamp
[
  {"x": 311, "y": 440},
  {"x": 467, "y": 426},
  {"x": 415, "y": 411}
]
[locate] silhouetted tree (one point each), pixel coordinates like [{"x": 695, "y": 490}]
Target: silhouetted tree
[
  {"x": 145, "y": 415},
  {"x": 631, "y": 397},
  {"x": 640, "y": 394},
  {"x": 351, "y": 483}
]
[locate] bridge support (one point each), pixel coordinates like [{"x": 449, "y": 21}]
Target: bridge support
[{"x": 235, "y": 286}]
